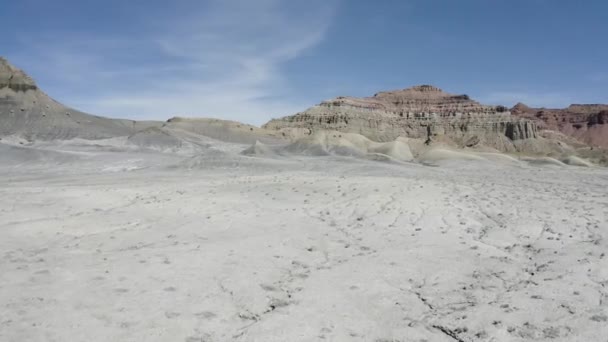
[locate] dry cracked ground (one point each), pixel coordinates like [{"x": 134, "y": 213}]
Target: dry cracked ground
[{"x": 150, "y": 247}]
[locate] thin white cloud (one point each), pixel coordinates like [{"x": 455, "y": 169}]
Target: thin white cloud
[{"x": 224, "y": 59}]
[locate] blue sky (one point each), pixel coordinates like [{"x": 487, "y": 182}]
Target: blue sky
[{"x": 251, "y": 60}]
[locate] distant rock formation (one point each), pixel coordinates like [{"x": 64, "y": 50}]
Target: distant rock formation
[
  {"x": 423, "y": 112},
  {"x": 586, "y": 123},
  {"x": 224, "y": 130},
  {"x": 29, "y": 113}
]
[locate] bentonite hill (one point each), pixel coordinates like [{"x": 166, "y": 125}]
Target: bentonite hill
[{"x": 28, "y": 112}]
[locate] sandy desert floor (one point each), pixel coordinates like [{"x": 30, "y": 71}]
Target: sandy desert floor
[{"x": 104, "y": 245}]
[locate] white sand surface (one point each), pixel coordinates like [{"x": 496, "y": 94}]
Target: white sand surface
[{"x": 114, "y": 244}]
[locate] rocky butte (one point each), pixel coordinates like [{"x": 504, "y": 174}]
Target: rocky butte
[
  {"x": 588, "y": 123},
  {"x": 423, "y": 112}
]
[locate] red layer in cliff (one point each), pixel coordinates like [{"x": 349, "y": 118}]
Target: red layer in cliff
[{"x": 586, "y": 123}]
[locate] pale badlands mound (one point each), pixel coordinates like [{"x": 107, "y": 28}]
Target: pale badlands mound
[
  {"x": 261, "y": 150},
  {"x": 325, "y": 143},
  {"x": 543, "y": 161},
  {"x": 224, "y": 130},
  {"x": 332, "y": 143},
  {"x": 577, "y": 161},
  {"x": 439, "y": 154},
  {"x": 195, "y": 135},
  {"x": 445, "y": 156},
  {"x": 156, "y": 138},
  {"x": 27, "y": 112}
]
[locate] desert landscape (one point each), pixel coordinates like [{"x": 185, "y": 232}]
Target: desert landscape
[{"x": 411, "y": 215}]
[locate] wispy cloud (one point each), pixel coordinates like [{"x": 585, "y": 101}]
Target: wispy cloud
[{"x": 222, "y": 59}]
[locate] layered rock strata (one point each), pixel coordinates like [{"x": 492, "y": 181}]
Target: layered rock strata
[
  {"x": 586, "y": 123},
  {"x": 423, "y": 112}
]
